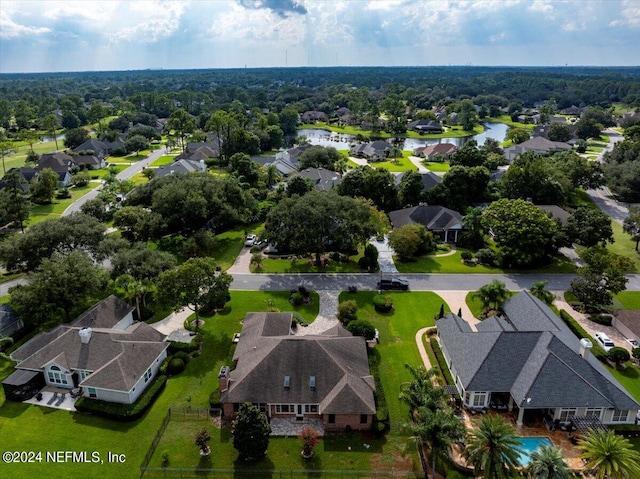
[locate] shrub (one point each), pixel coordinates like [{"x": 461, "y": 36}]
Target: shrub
[
  {"x": 364, "y": 263},
  {"x": 182, "y": 355},
  {"x": 296, "y": 299},
  {"x": 176, "y": 366},
  {"x": 304, "y": 291},
  {"x": 442, "y": 362},
  {"x": 382, "y": 303},
  {"x": 486, "y": 256},
  {"x": 466, "y": 256},
  {"x": 123, "y": 412},
  {"x": 353, "y": 289},
  {"x": 601, "y": 319},
  {"x": 619, "y": 355},
  {"x": 636, "y": 353},
  {"x": 362, "y": 327},
  {"x": 347, "y": 312}
]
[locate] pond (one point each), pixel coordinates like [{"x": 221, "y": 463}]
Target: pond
[{"x": 342, "y": 141}]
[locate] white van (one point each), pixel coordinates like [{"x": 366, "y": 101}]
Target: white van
[{"x": 603, "y": 340}]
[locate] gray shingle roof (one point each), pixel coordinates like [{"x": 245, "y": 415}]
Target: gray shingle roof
[
  {"x": 434, "y": 218},
  {"x": 530, "y": 353},
  {"x": 338, "y": 363},
  {"x": 105, "y": 314}
]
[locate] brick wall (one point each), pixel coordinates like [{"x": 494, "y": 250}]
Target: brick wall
[{"x": 344, "y": 420}]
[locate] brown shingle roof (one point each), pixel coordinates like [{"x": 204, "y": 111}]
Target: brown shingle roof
[
  {"x": 105, "y": 314},
  {"x": 338, "y": 363}
]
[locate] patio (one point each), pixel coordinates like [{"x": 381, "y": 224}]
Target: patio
[{"x": 55, "y": 398}]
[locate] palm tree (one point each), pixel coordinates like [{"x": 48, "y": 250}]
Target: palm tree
[
  {"x": 493, "y": 448},
  {"x": 421, "y": 392},
  {"x": 538, "y": 289},
  {"x": 436, "y": 429},
  {"x": 473, "y": 223},
  {"x": 50, "y": 124},
  {"x": 273, "y": 175},
  {"x": 547, "y": 463},
  {"x": 132, "y": 289},
  {"x": 610, "y": 456},
  {"x": 492, "y": 295}
]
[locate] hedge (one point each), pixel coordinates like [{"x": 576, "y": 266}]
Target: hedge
[
  {"x": 123, "y": 412},
  {"x": 442, "y": 363},
  {"x": 382, "y": 303},
  {"x": 580, "y": 333},
  {"x": 381, "y": 418}
]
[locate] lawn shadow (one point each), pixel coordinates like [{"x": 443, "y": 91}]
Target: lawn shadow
[
  {"x": 249, "y": 470},
  {"x": 630, "y": 372},
  {"x": 356, "y": 442},
  {"x": 11, "y": 409}
]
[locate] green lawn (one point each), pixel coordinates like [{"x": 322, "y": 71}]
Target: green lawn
[
  {"x": 227, "y": 245},
  {"x": 454, "y": 264},
  {"x": 437, "y": 167},
  {"x": 506, "y": 119},
  {"x": 629, "y": 378},
  {"x": 452, "y": 132},
  {"x": 105, "y": 171},
  {"x": 624, "y": 246},
  {"x": 55, "y": 209},
  {"x": 163, "y": 160},
  {"x": 21, "y": 149},
  {"x": 37, "y": 428},
  {"x": 307, "y": 265},
  {"x": 412, "y": 311},
  {"x": 629, "y": 299},
  {"x": 397, "y": 164}
]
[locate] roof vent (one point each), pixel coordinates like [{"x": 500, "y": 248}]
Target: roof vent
[
  {"x": 287, "y": 382},
  {"x": 312, "y": 383},
  {"x": 85, "y": 335}
]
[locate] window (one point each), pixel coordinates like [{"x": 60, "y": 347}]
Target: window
[
  {"x": 262, "y": 406},
  {"x": 54, "y": 368},
  {"x": 57, "y": 378},
  {"x": 311, "y": 408},
  {"x": 479, "y": 399},
  {"x": 287, "y": 382},
  {"x": 147, "y": 375},
  {"x": 363, "y": 418},
  {"x": 285, "y": 408},
  {"x": 467, "y": 398},
  {"x": 594, "y": 411},
  {"x": 92, "y": 392},
  {"x": 619, "y": 416},
  {"x": 332, "y": 418},
  {"x": 312, "y": 382},
  {"x": 566, "y": 414}
]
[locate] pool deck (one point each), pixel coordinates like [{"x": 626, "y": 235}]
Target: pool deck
[{"x": 559, "y": 438}]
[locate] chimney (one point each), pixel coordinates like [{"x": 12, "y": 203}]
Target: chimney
[
  {"x": 223, "y": 378},
  {"x": 85, "y": 335},
  {"x": 585, "y": 347}
]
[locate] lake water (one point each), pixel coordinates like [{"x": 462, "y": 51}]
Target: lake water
[
  {"x": 50, "y": 138},
  {"x": 342, "y": 141}
]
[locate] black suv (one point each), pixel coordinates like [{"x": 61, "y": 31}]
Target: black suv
[{"x": 394, "y": 283}]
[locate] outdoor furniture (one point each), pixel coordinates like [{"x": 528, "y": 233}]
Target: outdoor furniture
[
  {"x": 53, "y": 398},
  {"x": 61, "y": 399}
]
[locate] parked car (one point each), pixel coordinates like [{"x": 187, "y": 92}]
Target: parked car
[
  {"x": 603, "y": 340},
  {"x": 634, "y": 343},
  {"x": 394, "y": 283},
  {"x": 249, "y": 240}
]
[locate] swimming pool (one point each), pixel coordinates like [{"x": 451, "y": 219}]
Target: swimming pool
[{"x": 530, "y": 444}]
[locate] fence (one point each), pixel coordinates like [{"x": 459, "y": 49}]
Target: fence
[
  {"x": 198, "y": 412},
  {"x": 154, "y": 442}
]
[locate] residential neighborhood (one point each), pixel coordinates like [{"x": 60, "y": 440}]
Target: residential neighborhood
[{"x": 237, "y": 283}]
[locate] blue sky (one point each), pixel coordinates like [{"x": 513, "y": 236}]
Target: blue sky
[{"x": 72, "y": 35}]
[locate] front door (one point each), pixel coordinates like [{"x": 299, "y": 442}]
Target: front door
[{"x": 299, "y": 411}]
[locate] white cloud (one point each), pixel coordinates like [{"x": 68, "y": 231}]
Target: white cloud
[
  {"x": 153, "y": 20},
  {"x": 11, "y": 29},
  {"x": 630, "y": 15}
]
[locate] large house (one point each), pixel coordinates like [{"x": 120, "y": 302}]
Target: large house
[
  {"x": 527, "y": 360},
  {"x": 538, "y": 145},
  {"x": 441, "y": 221},
  {"x": 322, "y": 179},
  {"x": 373, "y": 151},
  {"x": 425, "y": 126},
  {"x": 181, "y": 166},
  {"x": 100, "y": 148},
  {"x": 323, "y": 377},
  {"x": 25, "y": 175},
  {"x": 439, "y": 149},
  {"x": 103, "y": 354},
  {"x": 60, "y": 163},
  {"x": 429, "y": 180}
]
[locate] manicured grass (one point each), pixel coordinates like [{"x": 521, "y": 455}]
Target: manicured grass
[
  {"x": 22, "y": 425},
  {"x": 506, "y": 119},
  {"x": 451, "y": 132},
  {"x": 21, "y": 149},
  {"x": 629, "y": 378},
  {"x": 4, "y": 299},
  {"x": 55, "y": 209},
  {"x": 138, "y": 179},
  {"x": 105, "y": 171},
  {"x": 437, "y": 167},
  {"x": 307, "y": 265},
  {"x": 629, "y": 299},
  {"x": 624, "y": 246},
  {"x": 412, "y": 311},
  {"x": 227, "y": 246},
  {"x": 163, "y": 160},
  {"x": 4, "y": 276},
  {"x": 454, "y": 264},
  {"x": 397, "y": 164}
]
